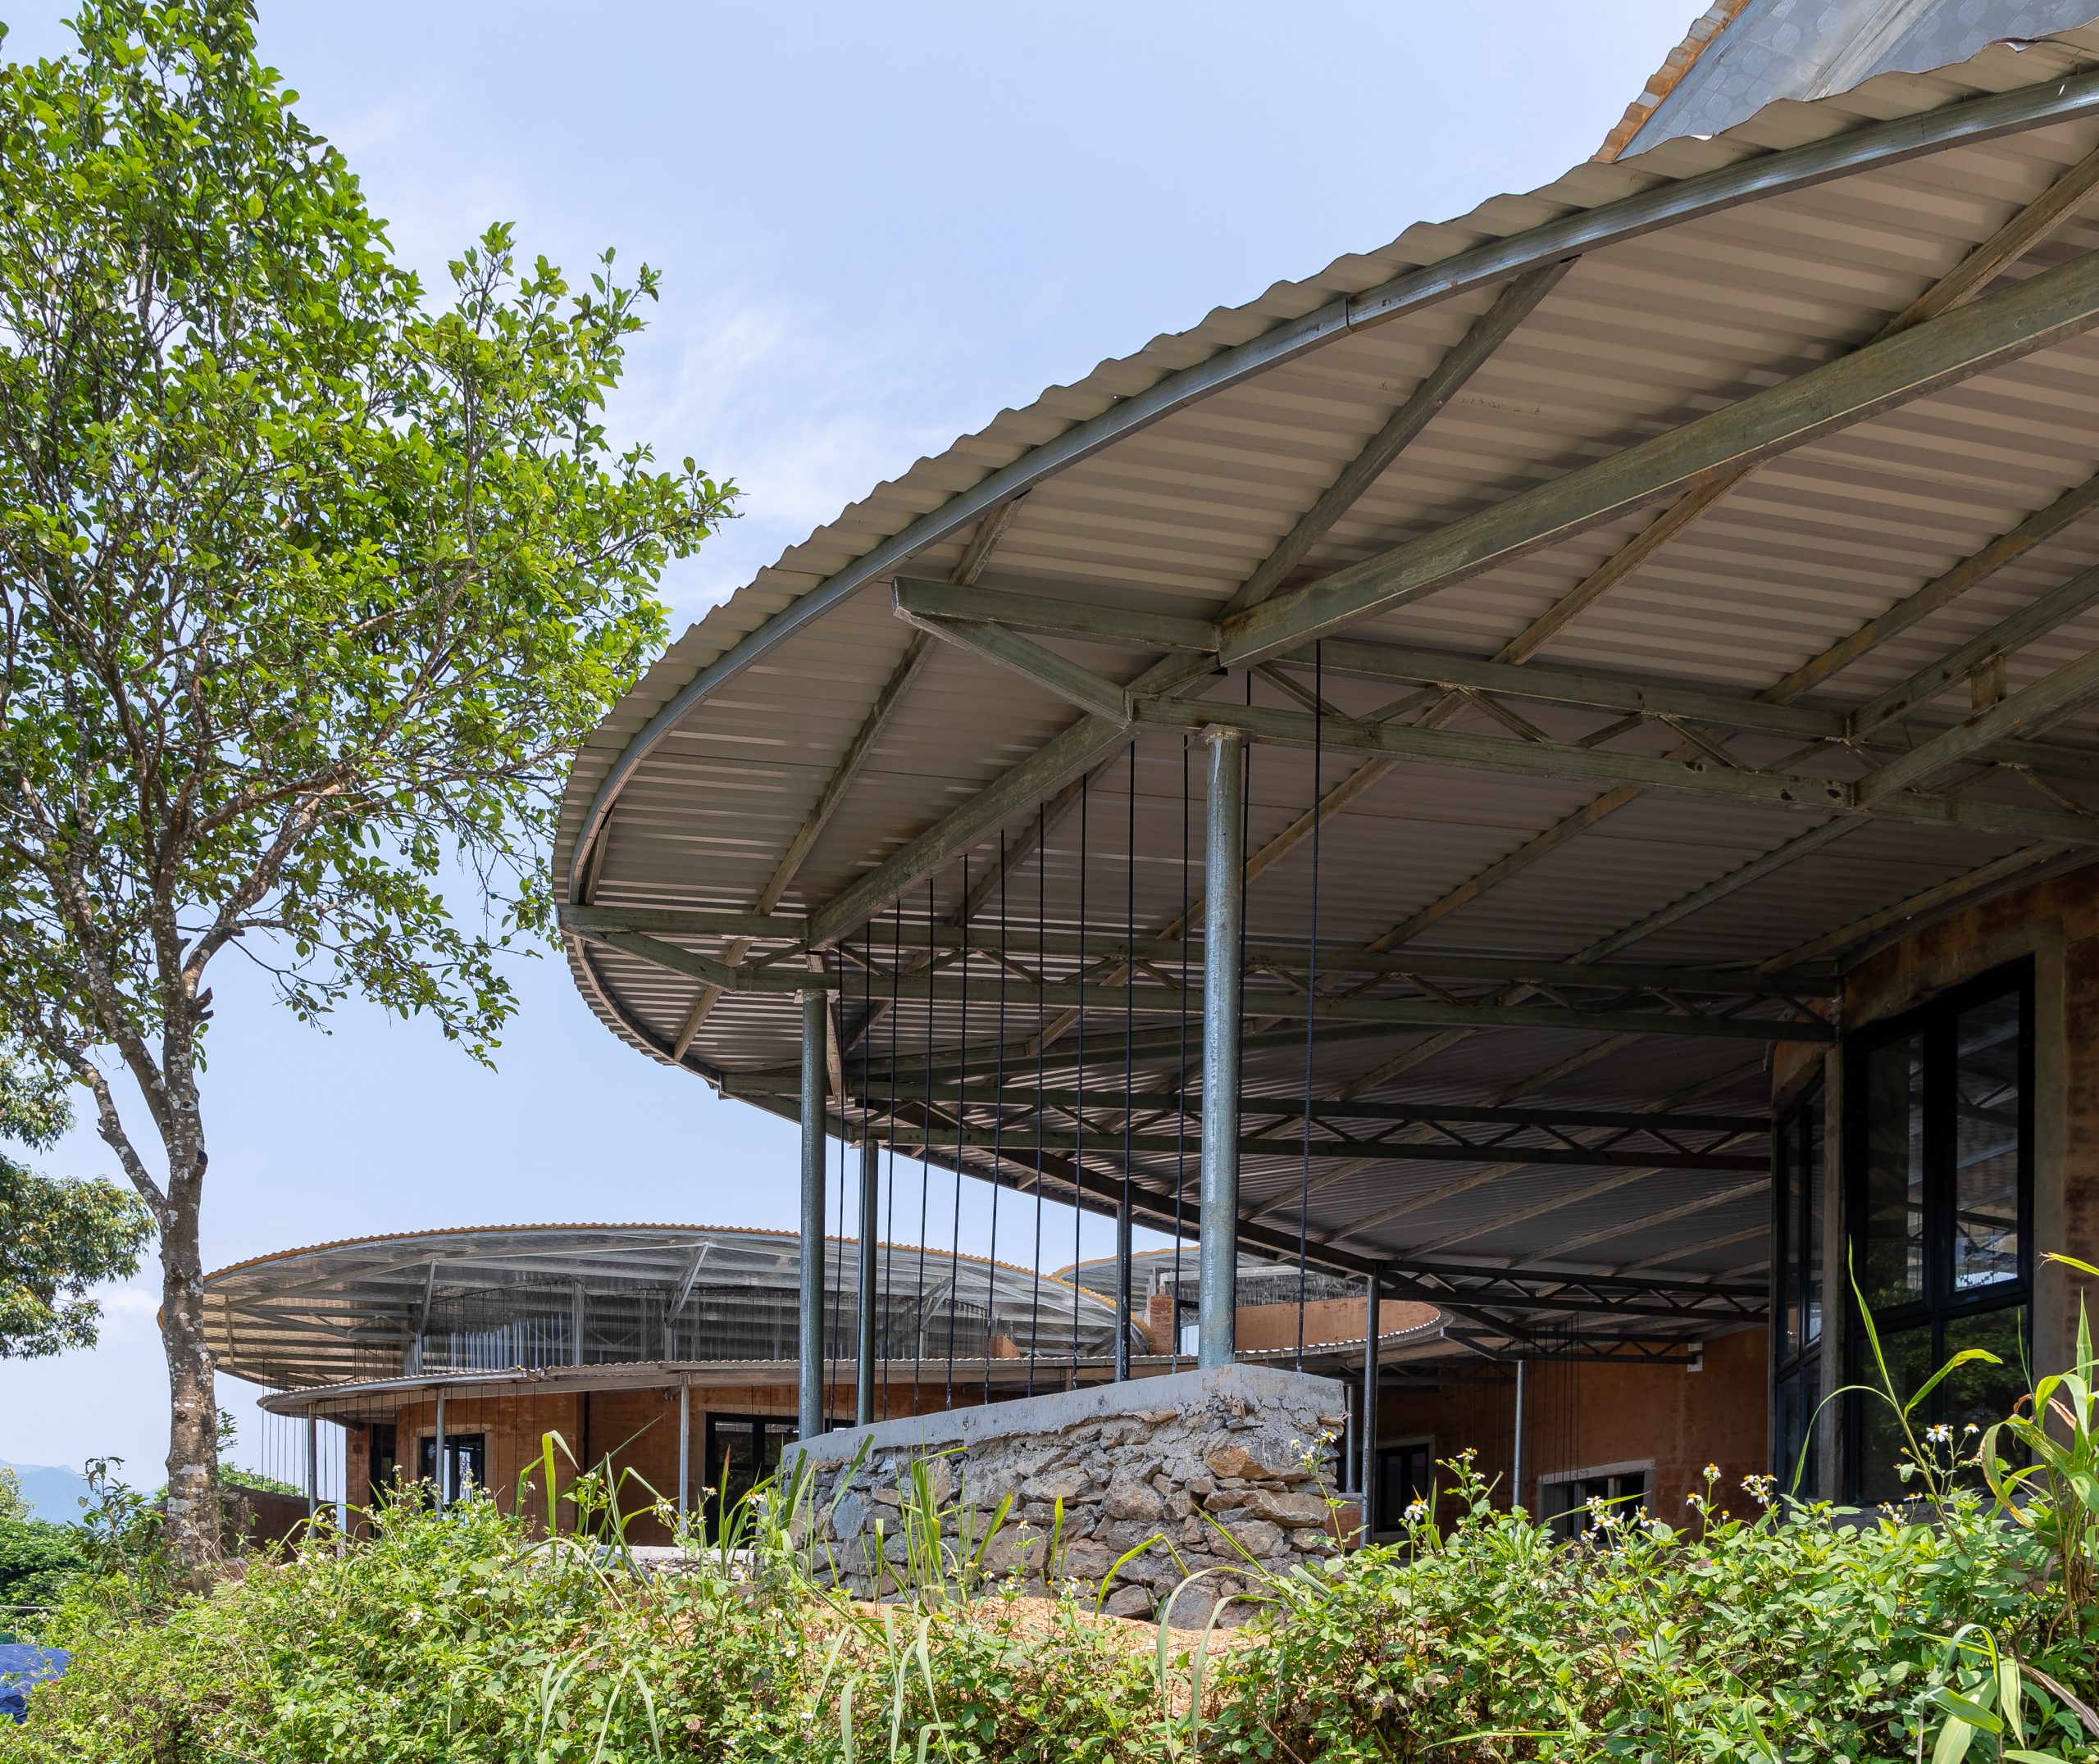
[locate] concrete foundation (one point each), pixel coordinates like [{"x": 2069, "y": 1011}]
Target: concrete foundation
[{"x": 1187, "y": 1471}]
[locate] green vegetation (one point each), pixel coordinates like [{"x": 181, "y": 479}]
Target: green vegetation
[
  {"x": 62, "y": 1236},
  {"x": 316, "y": 579},
  {"x": 1773, "y": 1632}
]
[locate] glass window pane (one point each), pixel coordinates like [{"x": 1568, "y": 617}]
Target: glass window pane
[
  {"x": 1883, "y": 1445},
  {"x": 1988, "y": 1152},
  {"x": 1797, "y": 1394},
  {"x": 1892, "y": 1258},
  {"x": 1980, "y": 1393}
]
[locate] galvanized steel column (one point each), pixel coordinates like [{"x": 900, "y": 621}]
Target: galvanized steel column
[
  {"x": 1516, "y": 1457},
  {"x": 437, "y": 1450},
  {"x": 1122, "y": 1288},
  {"x": 1367, "y": 1427},
  {"x": 863, "y": 1386},
  {"x": 1224, "y": 887},
  {"x": 684, "y": 1446},
  {"x": 811, "y": 1388}
]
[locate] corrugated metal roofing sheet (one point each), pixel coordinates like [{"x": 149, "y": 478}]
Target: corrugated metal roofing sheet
[{"x": 1645, "y": 332}]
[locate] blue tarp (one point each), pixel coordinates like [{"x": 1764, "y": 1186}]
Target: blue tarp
[{"x": 22, "y": 1666}]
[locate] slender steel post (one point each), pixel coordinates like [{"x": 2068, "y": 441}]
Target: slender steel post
[
  {"x": 1516, "y": 1457},
  {"x": 1224, "y": 883},
  {"x": 863, "y": 1386},
  {"x": 1367, "y": 1426},
  {"x": 437, "y": 1452},
  {"x": 685, "y": 1447},
  {"x": 812, "y": 1159},
  {"x": 1122, "y": 1286},
  {"x": 313, "y": 1467}
]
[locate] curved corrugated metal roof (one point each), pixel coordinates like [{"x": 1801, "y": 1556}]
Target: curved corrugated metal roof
[
  {"x": 494, "y": 1298},
  {"x": 1697, "y": 276}
]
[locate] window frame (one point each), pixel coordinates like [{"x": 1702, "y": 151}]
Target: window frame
[
  {"x": 1934, "y": 1021},
  {"x": 1625, "y": 1502},
  {"x": 1799, "y": 1271}
]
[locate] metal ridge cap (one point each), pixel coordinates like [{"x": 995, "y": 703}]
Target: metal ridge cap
[{"x": 1965, "y": 122}]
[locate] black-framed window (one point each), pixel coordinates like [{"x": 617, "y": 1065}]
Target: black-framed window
[
  {"x": 1798, "y": 1291},
  {"x": 378, "y": 1462},
  {"x": 742, "y": 1451},
  {"x": 1564, "y": 1500},
  {"x": 466, "y": 1462},
  {"x": 1405, "y": 1474},
  {"x": 1939, "y": 1206}
]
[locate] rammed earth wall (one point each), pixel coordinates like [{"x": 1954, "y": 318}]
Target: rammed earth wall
[{"x": 1183, "y": 1460}]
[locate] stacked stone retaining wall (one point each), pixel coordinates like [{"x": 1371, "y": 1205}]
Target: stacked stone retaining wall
[{"x": 1188, "y": 1472}]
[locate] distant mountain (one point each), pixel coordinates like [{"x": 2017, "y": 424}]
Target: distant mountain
[{"x": 53, "y": 1493}]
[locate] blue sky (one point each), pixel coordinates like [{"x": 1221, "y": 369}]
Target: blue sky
[{"x": 876, "y": 226}]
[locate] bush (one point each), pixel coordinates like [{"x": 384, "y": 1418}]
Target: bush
[
  {"x": 1775, "y": 1635},
  {"x": 1781, "y": 1636},
  {"x": 1962, "y": 1625},
  {"x": 37, "y": 1559}
]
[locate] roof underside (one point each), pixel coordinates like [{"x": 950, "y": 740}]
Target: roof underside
[
  {"x": 445, "y": 1304},
  {"x": 806, "y": 751}
]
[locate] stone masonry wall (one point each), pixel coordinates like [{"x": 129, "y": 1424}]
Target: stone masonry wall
[{"x": 1185, "y": 1458}]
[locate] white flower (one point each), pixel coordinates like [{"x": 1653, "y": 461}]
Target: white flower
[
  {"x": 1712, "y": 1472},
  {"x": 1416, "y": 1511},
  {"x": 1939, "y": 1433}
]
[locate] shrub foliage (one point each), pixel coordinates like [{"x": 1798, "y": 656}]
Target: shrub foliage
[{"x": 1768, "y": 1633}]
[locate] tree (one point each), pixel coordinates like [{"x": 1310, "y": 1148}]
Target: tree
[
  {"x": 311, "y": 588},
  {"x": 58, "y": 1238}
]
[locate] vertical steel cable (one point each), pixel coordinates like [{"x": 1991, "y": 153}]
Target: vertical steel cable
[
  {"x": 870, "y": 1167},
  {"x": 889, "y": 1231},
  {"x": 837, "y": 1265},
  {"x": 1311, "y": 993},
  {"x": 1181, "y": 1121},
  {"x": 1124, "y": 1286},
  {"x": 925, "y": 1168},
  {"x": 997, "y": 1133},
  {"x": 1041, "y": 1022},
  {"x": 961, "y": 1121},
  {"x": 1078, "y": 1156}
]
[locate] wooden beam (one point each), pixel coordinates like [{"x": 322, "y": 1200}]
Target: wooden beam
[
  {"x": 1019, "y": 1141},
  {"x": 1897, "y": 141},
  {"x": 1074, "y": 750},
  {"x": 2044, "y": 523},
  {"x": 1155, "y": 1000},
  {"x": 1464, "y": 358},
  {"x": 1291, "y": 1108},
  {"x": 828, "y": 799},
  {"x": 2035, "y": 619},
  {"x": 1034, "y": 662},
  {"x": 2032, "y": 315},
  {"x": 2069, "y": 688},
  {"x": 1094, "y": 733},
  {"x": 2024, "y": 229},
  {"x": 1557, "y": 760}
]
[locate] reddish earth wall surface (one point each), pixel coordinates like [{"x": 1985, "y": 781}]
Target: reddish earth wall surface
[
  {"x": 1584, "y": 1416},
  {"x": 637, "y": 1429}
]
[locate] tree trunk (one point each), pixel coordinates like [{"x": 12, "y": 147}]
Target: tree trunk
[{"x": 193, "y": 1535}]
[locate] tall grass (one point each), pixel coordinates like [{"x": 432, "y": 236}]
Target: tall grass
[{"x": 1958, "y": 1627}]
